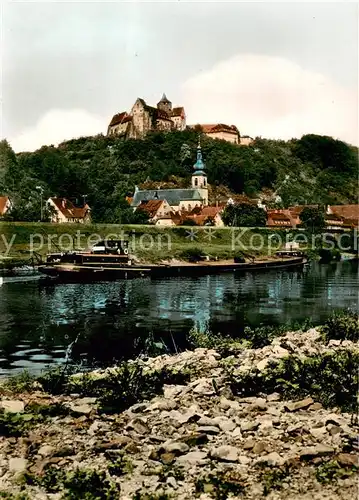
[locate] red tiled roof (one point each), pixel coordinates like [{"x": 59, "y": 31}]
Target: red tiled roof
[
  {"x": 120, "y": 118},
  {"x": 150, "y": 206},
  {"x": 219, "y": 127},
  {"x": 3, "y": 204},
  {"x": 68, "y": 209},
  {"x": 346, "y": 211},
  {"x": 298, "y": 209},
  {"x": 178, "y": 111}
]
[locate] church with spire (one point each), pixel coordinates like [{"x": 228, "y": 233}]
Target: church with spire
[
  {"x": 177, "y": 200},
  {"x": 144, "y": 118}
]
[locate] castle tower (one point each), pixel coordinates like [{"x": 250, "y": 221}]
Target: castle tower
[
  {"x": 199, "y": 177},
  {"x": 165, "y": 105}
]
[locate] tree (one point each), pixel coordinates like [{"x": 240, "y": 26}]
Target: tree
[
  {"x": 313, "y": 219},
  {"x": 8, "y": 167},
  {"x": 244, "y": 214}
]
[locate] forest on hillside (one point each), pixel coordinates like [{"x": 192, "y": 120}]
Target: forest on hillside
[{"x": 313, "y": 169}]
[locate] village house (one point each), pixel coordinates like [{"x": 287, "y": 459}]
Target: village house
[
  {"x": 5, "y": 205},
  {"x": 64, "y": 211},
  {"x": 144, "y": 118},
  {"x": 179, "y": 199},
  {"x": 229, "y": 133},
  {"x": 155, "y": 209}
]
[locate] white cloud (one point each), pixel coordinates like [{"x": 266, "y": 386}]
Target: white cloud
[
  {"x": 56, "y": 126},
  {"x": 272, "y": 97}
]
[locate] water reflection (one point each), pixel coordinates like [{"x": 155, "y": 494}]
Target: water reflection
[{"x": 38, "y": 321}]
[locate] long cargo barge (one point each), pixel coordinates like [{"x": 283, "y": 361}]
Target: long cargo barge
[{"x": 110, "y": 263}]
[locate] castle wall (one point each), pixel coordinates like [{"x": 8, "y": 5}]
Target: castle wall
[{"x": 225, "y": 136}]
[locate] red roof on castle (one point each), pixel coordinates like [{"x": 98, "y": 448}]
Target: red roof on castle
[
  {"x": 346, "y": 211},
  {"x": 68, "y": 209},
  {"x": 179, "y": 111},
  {"x": 120, "y": 118}
]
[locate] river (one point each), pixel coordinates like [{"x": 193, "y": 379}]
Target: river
[{"x": 110, "y": 321}]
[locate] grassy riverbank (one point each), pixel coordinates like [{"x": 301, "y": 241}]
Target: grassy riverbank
[
  {"x": 19, "y": 241},
  {"x": 226, "y": 419}
]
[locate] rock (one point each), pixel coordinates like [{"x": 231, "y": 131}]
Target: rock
[
  {"x": 171, "y": 391},
  {"x": 208, "y": 429},
  {"x": 348, "y": 460},
  {"x": 333, "y": 429},
  {"x": 175, "y": 447},
  {"x": 259, "y": 404},
  {"x": 249, "y": 426},
  {"x": 248, "y": 444},
  {"x": 193, "y": 458},
  {"x": 163, "y": 405},
  {"x": 65, "y": 451},
  {"x": 208, "y": 421},
  {"x": 170, "y": 481},
  {"x": 195, "y": 438},
  {"x": 139, "y": 425},
  {"x": 226, "y": 453},
  {"x": 138, "y": 408},
  {"x": 17, "y": 465},
  {"x": 275, "y": 396},
  {"x": 84, "y": 409},
  {"x": 320, "y": 450},
  {"x": 227, "y": 425},
  {"x": 12, "y": 405},
  {"x": 184, "y": 418},
  {"x": 262, "y": 364},
  {"x": 46, "y": 450},
  {"x": 259, "y": 447},
  {"x": 167, "y": 458},
  {"x": 243, "y": 460},
  {"x": 299, "y": 405},
  {"x": 120, "y": 442},
  {"x": 272, "y": 459},
  {"x": 315, "y": 406},
  {"x": 204, "y": 388}
]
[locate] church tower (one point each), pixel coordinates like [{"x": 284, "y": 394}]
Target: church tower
[
  {"x": 165, "y": 105},
  {"x": 199, "y": 177}
]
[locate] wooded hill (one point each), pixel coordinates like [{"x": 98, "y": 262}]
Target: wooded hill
[{"x": 313, "y": 169}]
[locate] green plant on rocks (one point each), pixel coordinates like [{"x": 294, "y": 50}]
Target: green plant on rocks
[
  {"x": 330, "y": 378},
  {"x": 89, "y": 485},
  {"x": 331, "y": 471},
  {"x": 120, "y": 467},
  {"x": 51, "y": 481},
  {"x": 272, "y": 479},
  {"x": 208, "y": 340},
  {"x": 16, "y": 424},
  {"x": 21, "y": 382},
  {"x": 220, "y": 485},
  {"x": 342, "y": 325},
  {"x": 151, "y": 496}
]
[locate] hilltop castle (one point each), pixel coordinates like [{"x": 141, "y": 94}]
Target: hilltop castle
[{"x": 144, "y": 118}]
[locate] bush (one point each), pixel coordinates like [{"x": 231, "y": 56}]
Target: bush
[
  {"x": 193, "y": 254},
  {"x": 331, "y": 378},
  {"x": 208, "y": 340},
  {"x": 89, "y": 485},
  {"x": 342, "y": 326}
]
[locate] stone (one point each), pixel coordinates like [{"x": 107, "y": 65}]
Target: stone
[
  {"x": 184, "y": 418},
  {"x": 299, "y": 405},
  {"x": 139, "y": 426},
  {"x": 171, "y": 482},
  {"x": 17, "y": 465},
  {"x": 175, "y": 447},
  {"x": 226, "y": 453},
  {"x": 320, "y": 450},
  {"x": 208, "y": 429},
  {"x": 138, "y": 408},
  {"x": 249, "y": 426},
  {"x": 333, "y": 429},
  {"x": 275, "y": 396},
  {"x": 120, "y": 442},
  {"x": 315, "y": 406},
  {"x": 259, "y": 404},
  {"x": 248, "y": 444},
  {"x": 243, "y": 460},
  {"x": 348, "y": 460},
  {"x": 193, "y": 458},
  {"x": 46, "y": 450},
  {"x": 262, "y": 364},
  {"x": 167, "y": 458},
  {"x": 12, "y": 405},
  {"x": 259, "y": 447},
  {"x": 195, "y": 438},
  {"x": 227, "y": 425},
  {"x": 208, "y": 421},
  {"x": 204, "y": 388},
  {"x": 84, "y": 409},
  {"x": 272, "y": 459},
  {"x": 163, "y": 405}
]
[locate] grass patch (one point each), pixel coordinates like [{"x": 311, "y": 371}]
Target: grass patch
[
  {"x": 331, "y": 471},
  {"x": 220, "y": 485},
  {"x": 272, "y": 479},
  {"x": 342, "y": 325},
  {"x": 330, "y": 378},
  {"x": 19, "y": 383}
]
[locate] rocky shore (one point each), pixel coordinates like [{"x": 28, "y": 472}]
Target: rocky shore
[{"x": 202, "y": 438}]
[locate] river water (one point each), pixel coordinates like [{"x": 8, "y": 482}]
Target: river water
[{"x": 110, "y": 321}]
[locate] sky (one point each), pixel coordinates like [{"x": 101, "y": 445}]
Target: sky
[{"x": 275, "y": 70}]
